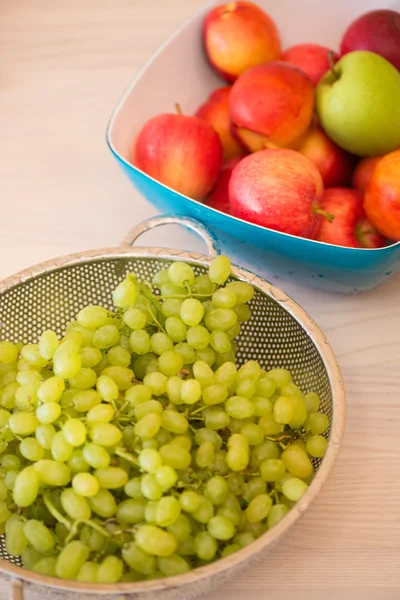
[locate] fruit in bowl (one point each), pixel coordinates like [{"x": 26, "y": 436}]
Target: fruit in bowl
[
  {"x": 271, "y": 105},
  {"x": 350, "y": 226},
  {"x": 278, "y": 189},
  {"x": 237, "y": 36},
  {"x": 313, "y": 59},
  {"x": 219, "y": 197},
  {"x": 363, "y": 173},
  {"x": 382, "y": 196},
  {"x": 358, "y": 104},
  {"x": 215, "y": 111},
  {"x": 181, "y": 151},
  {"x": 377, "y": 31}
]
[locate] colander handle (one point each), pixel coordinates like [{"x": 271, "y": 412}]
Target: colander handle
[{"x": 203, "y": 231}]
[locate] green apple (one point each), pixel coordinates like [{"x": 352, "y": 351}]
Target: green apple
[{"x": 358, "y": 104}]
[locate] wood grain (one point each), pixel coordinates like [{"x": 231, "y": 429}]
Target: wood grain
[{"x": 63, "y": 66}]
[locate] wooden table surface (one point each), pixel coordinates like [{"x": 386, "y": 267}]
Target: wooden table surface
[{"x": 63, "y": 66}]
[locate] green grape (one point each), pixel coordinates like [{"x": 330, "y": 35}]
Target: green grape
[
  {"x": 265, "y": 387},
  {"x": 230, "y": 549},
  {"x": 312, "y": 402},
  {"x": 250, "y": 370},
  {"x": 16, "y": 541},
  {"x": 226, "y": 374},
  {"x": 84, "y": 400},
  {"x": 75, "y": 505},
  {"x": 4, "y": 416},
  {"x": 122, "y": 376},
  {"x": 174, "y": 387},
  {"x": 244, "y": 539},
  {"x": 118, "y": 356},
  {"x": 281, "y": 377},
  {"x": 216, "y": 419},
  {"x": 28, "y": 376},
  {"x": 291, "y": 389},
  {"x": 30, "y": 557},
  {"x": 5, "y": 513},
  {"x": 263, "y": 406},
  {"x": 150, "y": 512},
  {"x": 170, "y": 363},
  {"x": 148, "y": 426},
  {"x": 74, "y": 432},
  {"x": 111, "y": 478},
  {"x": 207, "y": 435},
  {"x": 131, "y": 511},
  {"x": 38, "y": 535},
  {"x": 26, "y": 396},
  {"x": 190, "y": 391},
  {"x": 233, "y": 331},
  {"x": 92, "y": 317},
  {"x": 139, "y": 341},
  {"x": 294, "y": 488},
  {"x": 85, "y": 379},
  {"x": 46, "y": 566},
  {"x": 102, "y": 413},
  {"x": 3, "y": 490},
  {"x": 88, "y": 572},
  {"x": 238, "y": 452},
  {"x": 205, "y": 545},
  {"x": 214, "y": 394},
  {"x": 9, "y": 377},
  {"x": 135, "y": 319},
  {"x": 198, "y": 337},
  {"x": 300, "y": 412},
  {"x": 107, "y": 388},
  {"x": 8, "y": 352},
  {"x": 45, "y": 435},
  {"x": 220, "y": 319},
  {"x": 175, "y": 456},
  {"x": 255, "y": 487},
  {"x": 157, "y": 382},
  {"x": 160, "y": 342},
  {"x": 270, "y": 426},
  {"x": 10, "y": 462},
  {"x": 138, "y": 394},
  {"x": 167, "y": 511},
  {"x": 316, "y": 446},
  {"x": 190, "y": 501},
  {"x": 31, "y": 353},
  {"x": 191, "y": 312},
  {"x": 52, "y": 472},
  {"x": 297, "y": 462},
  {"x": 23, "y": 423},
  {"x": 105, "y": 434},
  {"x": 103, "y": 504},
  {"x": 110, "y": 570},
  {"x": 47, "y": 413},
  {"x": 253, "y": 433},
  {"x": 224, "y": 298},
  {"x": 284, "y": 410},
  {"x": 10, "y": 478},
  {"x": 173, "y": 565},
  {"x": 246, "y": 387},
  {"x": 51, "y": 390},
  {"x": 138, "y": 559},
  {"x": 219, "y": 270},
  {"x": 92, "y": 538},
  {"x": 205, "y": 511},
  {"x": 85, "y": 484},
  {"x": 188, "y": 354},
  {"x": 180, "y": 529},
  {"x": 205, "y": 455},
  {"x": 128, "y": 436},
  {"x": 174, "y": 422},
  {"x": 180, "y": 274},
  {"x": 239, "y": 407},
  {"x": 263, "y": 452},
  {"x": 183, "y": 441},
  {"x": 166, "y": 477},
  {"x": 90, "y": 356},
  {"x": 77, "y": 463},
  {"x": 153, "y": 366},
  {"x": 155, "y": 541},
  {"x": 276, "y": 514},
  {"x": 8, "y": 395},
  {"x": 66, "y": 361},
  {"x": 61, "y": 449},
  {"x": 216, "y": 490},
  {"x": 220, "y": 342},
  {"x": 150, "y": 460},
  {"x": 207, "y": 356},
  {"x": 221, "y": 528},
  {"x": 48, "y": 344},
  {"x": 244, "y": 291},
  {"x": 176, "y": 329},
  {"x": 126, "y": 293},
  {"x": 105, "y": 337},
  {"x": 258, "y": 508},
  {"x": 161, "y": 277},
  {"x": 71, "y": 559},
  {"x": 316, "y": 423},
  {"x": 272, "y": 469},
  {"x": 171, "y": 307}
]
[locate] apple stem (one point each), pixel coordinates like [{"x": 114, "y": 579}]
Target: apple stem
[
  {"x": 324, "y": 213},
  {"x": 331, "y": 58},
  {"x": 178, "y": 108}
]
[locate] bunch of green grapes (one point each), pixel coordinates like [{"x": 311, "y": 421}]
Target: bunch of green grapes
[{"x": 134, "y": 448}]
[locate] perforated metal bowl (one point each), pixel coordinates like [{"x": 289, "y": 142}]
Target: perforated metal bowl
[{"x": 279, "y": 334}]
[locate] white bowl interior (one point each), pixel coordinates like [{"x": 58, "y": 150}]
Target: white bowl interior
[{"x": 179, "y": 71}]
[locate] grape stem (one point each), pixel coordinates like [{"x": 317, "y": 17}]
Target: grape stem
[
  {"x": 75, "y": 527},
  {"x": 127, "y": 456},
  {"x": 56, "y": 514}
]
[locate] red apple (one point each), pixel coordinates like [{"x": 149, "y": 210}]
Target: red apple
[
  {"x": 310, "y": 58},
  {"x": 277, "y": 189},
  {"x": 363, "y": 172},
  {"x": 182, "y": 152},
  {"x": 271, "y": 105},
  {"x": 382, "y": 196},
  {"x": 219, "y": 197},
  {"x": 334, "y": 164},
  {"x": 237, "y": 36},
  {"x": 216, "y": 112},
  {"x": 350, "y": 227},
  {"x": 377, "y": 31}
]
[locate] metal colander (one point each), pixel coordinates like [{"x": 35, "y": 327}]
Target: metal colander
[{"x": 279, "y": 334}]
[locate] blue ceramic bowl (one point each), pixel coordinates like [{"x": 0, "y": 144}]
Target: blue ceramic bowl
[{"x": 178, "y": 71}]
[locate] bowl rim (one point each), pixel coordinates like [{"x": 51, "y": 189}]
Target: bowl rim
[
  {"x": 109, "y": 131},
  {"x": 222, "y": 565}
]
